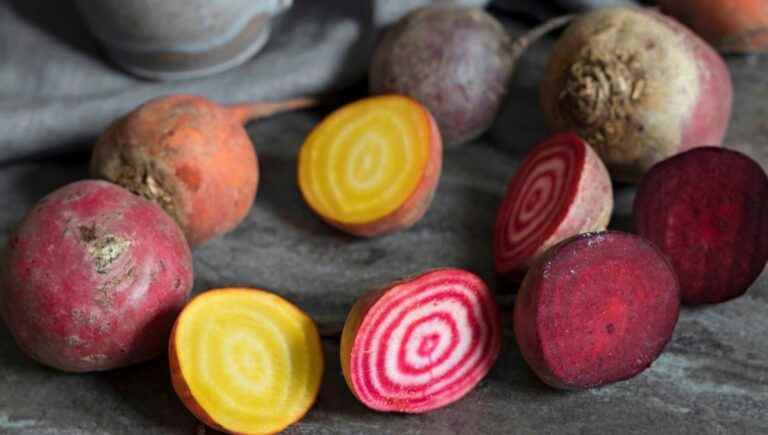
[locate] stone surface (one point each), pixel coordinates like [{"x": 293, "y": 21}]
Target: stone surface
[{"x": 712, "y": 378}]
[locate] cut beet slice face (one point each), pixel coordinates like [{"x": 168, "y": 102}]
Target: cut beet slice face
[
  {"x": 596, "y": 309},
  {"x": 561, "y": 189},
  {"x": 372, "y": 166},
  {"x": 245, "y": 360},
  {"x": 707, "y": 209},
  {"x": 421, "y": 343}
]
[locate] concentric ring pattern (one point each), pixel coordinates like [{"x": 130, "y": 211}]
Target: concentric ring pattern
[
  {"x": 536, "y": 201},
  {"x": 251, "y": 360},
  {"x": 364, "y": 160},
  {"x": 425, "y": 343}
]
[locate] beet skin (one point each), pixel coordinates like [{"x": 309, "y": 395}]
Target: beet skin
[
  {"x": 456, "y": 61},
  {"x": 190, "y": 155},
  {"x": 94, "y": 278},
  {"x": 597, "y": 309},
  {"x": 707, "y": 209},
  {"x": 638, "y": 86},
  {"x": 561, "y": 189}
]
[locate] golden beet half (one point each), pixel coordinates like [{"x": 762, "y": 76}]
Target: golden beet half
[
  {"x": 372, "y": 166},
  {"x": 245, "y": 360}
]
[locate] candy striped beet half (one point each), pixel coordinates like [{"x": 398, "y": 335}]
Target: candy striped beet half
[
  {"x": 421, "y": 343},
  {"x": 561, "y": 189}
]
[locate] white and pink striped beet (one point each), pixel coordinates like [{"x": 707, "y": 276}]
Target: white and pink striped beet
[
  {"x": 561, "y": 189},
  {"x": 421, "y": 343}
]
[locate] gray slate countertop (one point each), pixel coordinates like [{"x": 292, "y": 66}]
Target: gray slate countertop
[{"x": 712, "y": 378}]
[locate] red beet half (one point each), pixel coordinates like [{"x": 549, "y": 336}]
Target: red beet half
[
  {"x": 598, "y": 308},
  {"x": 561, "y": 189},
  {"x": 421, "y": 343},
  {"x": 707, "y": 209}
]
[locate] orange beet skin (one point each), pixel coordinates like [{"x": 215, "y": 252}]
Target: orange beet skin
[
  {"x": 730, "y": 25},
  {"x": 188, "y": 154}
]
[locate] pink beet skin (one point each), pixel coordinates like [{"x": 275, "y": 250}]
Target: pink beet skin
[
  {"x": 707, "y": 209},
  {"x": 94, "y": 278},
  {"x": 597, "y": 309},
  {"x": 711, "y": 114}
]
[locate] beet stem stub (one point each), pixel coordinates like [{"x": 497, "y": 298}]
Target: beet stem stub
[
  {"x": 597, "y": 309},
  {"x": 421, "y": 343},
  {"x": 252, "y": 111},
  {"x": 522, "y": 42}
]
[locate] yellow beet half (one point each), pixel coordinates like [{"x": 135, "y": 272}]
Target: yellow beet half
[
  {"x": 245, "y": 361},
  {"x": 372, "y": 166}
]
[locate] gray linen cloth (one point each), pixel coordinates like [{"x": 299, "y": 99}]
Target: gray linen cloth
[{"x": 58, "y": 90}]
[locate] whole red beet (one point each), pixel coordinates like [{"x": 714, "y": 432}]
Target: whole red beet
[{"x": 94, "y": 278}]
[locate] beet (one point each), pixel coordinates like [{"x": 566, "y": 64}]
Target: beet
[
  {"x": 561, "y": 189},
  {"x": 638, "y": 86},
  {"x": 732, "y": 26},
  {"x": 372, "y": 166},
  {"x": 597, "y": 309},
  {"x": 421, "y": 343},
  {"x": 707, "y": 209},
  {"x": 94, "y": 278},
  {"x": 190, "y": 155},
  {"x": 456, "y": 61},
  {"x": 233, "y": 350}
]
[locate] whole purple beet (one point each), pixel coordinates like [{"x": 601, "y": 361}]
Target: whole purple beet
[{"x": 456, "y": 61}]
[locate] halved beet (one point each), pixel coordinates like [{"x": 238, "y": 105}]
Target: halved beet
[
  {"x": 561, "y": 189},
  {"x": 421, "y": 343},
  {"x": 707, "y": 209},
  {"x": 596, "y": 309}
]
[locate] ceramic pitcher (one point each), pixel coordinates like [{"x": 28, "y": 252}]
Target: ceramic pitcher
[{"x": 179, "y": 39}]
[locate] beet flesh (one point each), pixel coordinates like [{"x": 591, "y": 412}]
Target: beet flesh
[
  {"x": 421, "y": 343},
  {"x": 597, "y": 309},
  {"x": 707, "y": 209},
  {"x": 561, "y": 189}
]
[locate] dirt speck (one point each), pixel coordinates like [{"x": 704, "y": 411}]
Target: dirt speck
[
  {"x": 74, "y": 341},
  {"x": 95, "y": 357}
]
